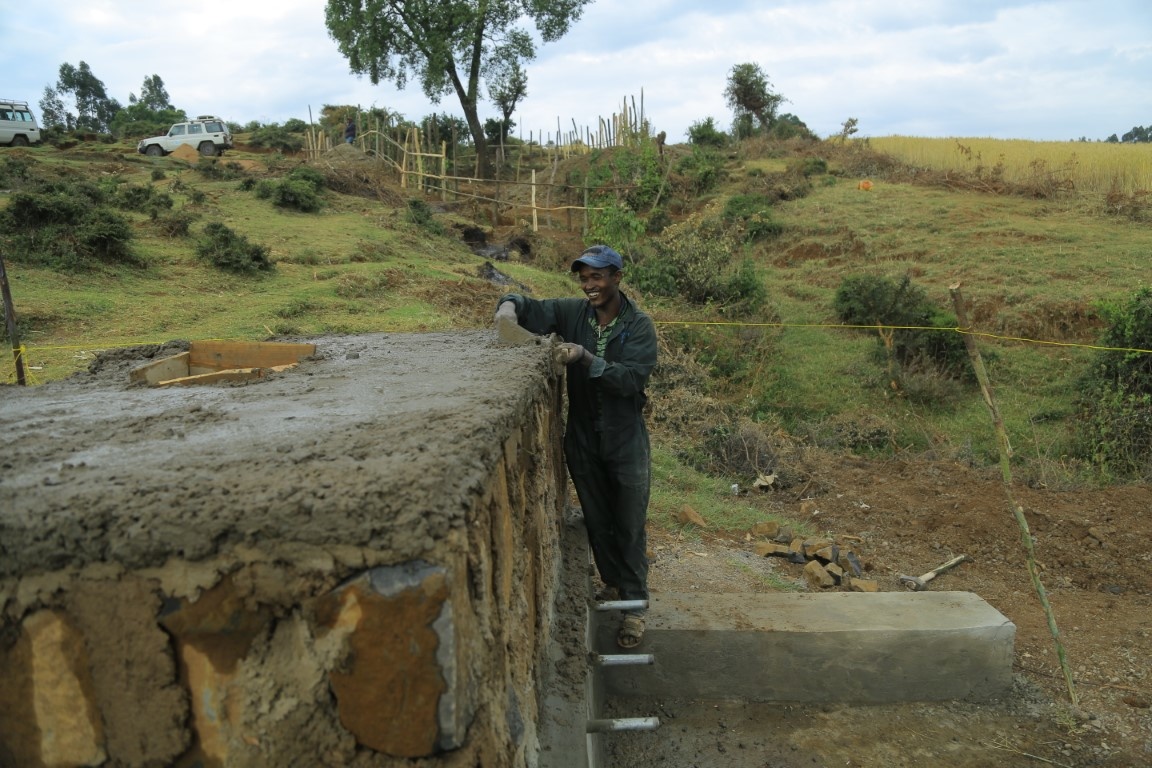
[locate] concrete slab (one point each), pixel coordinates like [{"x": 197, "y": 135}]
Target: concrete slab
[{"x": 844, "y": 647}]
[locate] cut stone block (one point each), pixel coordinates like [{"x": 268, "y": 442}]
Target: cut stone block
[
  {"x": 47, "y": 717},
  {"x": 398, "y": 689},
  {"x": 842, "y": 646}
]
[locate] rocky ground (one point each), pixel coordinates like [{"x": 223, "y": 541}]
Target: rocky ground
[{"x": 908, "y": 517}]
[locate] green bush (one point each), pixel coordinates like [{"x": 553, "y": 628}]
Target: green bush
[
  {"x": 225, "y": 249},
  {"x": 143, "y": 198},
  {"x": 67, "y": 226},
  {"x": 276, "y": 137},
  {"x": 15, "y": 169},
  {"x": 421, "y": 215},
  {"x": 809, "y": 166},
  {"x": 176, "y": 224},
  {"x": 883, "y": 306},
  {"x": 1116, "y": 402},
  {"x": 617, "y": 225},
  {"x": 309, "y": 175},
  {"x": 751, "y": 213},
  {"x": 704, "y": 133},
  {"x": 299, "y": 190},
  {"x": 298, "y": 194},
  {"x": 216, "y": 170},
  {"x": 694, "y": 261},
  {"x": 158, "y": 174},
  {"x": 702, "y": 170}
]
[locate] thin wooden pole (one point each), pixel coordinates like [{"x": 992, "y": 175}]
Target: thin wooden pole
[
  {"x": 1006, "y": 474},
  {"x": 535, "y": 221},
  {"x": 10, "y": 321},
  {"x": 443, "y": 170}
]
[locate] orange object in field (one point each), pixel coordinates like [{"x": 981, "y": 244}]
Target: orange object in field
[{"x": 864, "y": 185}]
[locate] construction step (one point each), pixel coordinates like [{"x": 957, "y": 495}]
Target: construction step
[{"x": 836, "y": 647}]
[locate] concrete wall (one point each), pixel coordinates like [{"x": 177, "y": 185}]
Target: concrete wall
[{"x": 351, "y": 563}]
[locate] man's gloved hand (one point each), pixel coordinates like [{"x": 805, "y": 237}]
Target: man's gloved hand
[
  {"x": 568, "y": 353},
  {"x": 506, "y": 309}
]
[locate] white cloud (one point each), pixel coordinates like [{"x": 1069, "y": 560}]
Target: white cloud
[{"x": 1044, "y": 69}]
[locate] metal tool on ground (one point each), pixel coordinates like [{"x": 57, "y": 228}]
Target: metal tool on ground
[{"x": 920, "y": 583}]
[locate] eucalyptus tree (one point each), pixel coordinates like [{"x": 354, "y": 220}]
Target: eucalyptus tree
[{"x": 448, "y": 46}]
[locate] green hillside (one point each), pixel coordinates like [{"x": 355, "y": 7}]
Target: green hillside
[{"x": 772, "y": 374}]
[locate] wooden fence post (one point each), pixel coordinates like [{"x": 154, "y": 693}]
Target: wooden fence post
[
  {"x": 535, "y": 222},
  {"x": 443, "y": 171},
  {"x": 10, "y": 321}
]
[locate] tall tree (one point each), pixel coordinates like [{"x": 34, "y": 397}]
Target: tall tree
[
  {"x": 445, "y": 44},
  {"x": 750, "y": 93},
  {"x": 507, "y": 85},
  {"x": 153, "y": 94},
  {"x": 94, "y": 110}
]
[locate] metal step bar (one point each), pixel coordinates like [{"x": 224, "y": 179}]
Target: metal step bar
[{"x": 617, "y": 724}]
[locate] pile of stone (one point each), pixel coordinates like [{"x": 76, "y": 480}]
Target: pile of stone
[{"x": 828, "y": 562}]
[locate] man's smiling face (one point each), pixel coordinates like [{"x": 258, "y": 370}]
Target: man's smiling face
[{"x": 600, "y": 284}]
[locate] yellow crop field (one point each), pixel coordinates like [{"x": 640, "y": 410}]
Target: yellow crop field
[{"x": 1087, "y": 167}]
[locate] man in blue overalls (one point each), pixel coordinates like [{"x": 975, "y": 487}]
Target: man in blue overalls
[{"x": 610, "y": 350}]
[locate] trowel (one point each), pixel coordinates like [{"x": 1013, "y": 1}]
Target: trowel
[{"x": 511, "y": 334}]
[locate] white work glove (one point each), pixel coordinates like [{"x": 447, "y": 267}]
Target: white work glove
[
  {"x": 506, "y": 309},
  {"x": 569, "y": 353}
]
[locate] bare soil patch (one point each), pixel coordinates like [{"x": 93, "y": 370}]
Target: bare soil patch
[{"x": 911, "y": 516}]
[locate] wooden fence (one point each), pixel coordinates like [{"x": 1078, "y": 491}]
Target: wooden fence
[{"x": 423, "y": 161}]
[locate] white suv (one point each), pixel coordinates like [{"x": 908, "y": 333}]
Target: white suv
[
  {"x": 207, "y": 134},
  {"x": 17, "y": 125}
]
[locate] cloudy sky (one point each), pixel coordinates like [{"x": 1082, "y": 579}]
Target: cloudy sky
[{"x": 1045, "y": 69}]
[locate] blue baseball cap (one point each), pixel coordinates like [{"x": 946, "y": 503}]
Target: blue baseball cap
[{"x": 598, "y": 257}]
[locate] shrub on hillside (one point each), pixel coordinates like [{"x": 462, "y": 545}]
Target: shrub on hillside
[
  {"x": 615, "y": 224},
  {"x": 276, "y": 137},
  {"x": 693, "y": 260},
  {"x": 752, "y": 214},
  {"x": 702, "y": 170},
  {"x": 66, "y": 225},
  {"x": 704, "y": 133},
  {"x": 215, "y": 170},
  {"x": 231, "y": 251},
  {"x": 903, "y": 318},
  {"x": 299, "y": 190},
  {"x": 420, "y": 214},
  {"x": 175, "y": 224},
  {"x": 1116, "y": 400},
  {"x": 143, "y": 198},
  {"x": 14, "y": 171},
  {"x": 297, "y": 194}
]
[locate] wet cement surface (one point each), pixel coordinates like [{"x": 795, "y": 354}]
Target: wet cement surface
[{"x": 378, "y": 440}]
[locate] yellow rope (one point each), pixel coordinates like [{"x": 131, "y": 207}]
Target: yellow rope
[
  {"x": 984, "y": 334},
  {"x": 23, "y": 353}
]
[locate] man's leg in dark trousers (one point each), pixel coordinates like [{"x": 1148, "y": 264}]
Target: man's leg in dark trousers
[{"x": 614, "y": 498}]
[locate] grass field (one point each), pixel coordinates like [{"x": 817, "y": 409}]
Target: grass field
[{"x": 1086, "y": 167}]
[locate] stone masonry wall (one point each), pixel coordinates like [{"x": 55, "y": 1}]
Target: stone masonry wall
[{"x": 353, "y": 563}]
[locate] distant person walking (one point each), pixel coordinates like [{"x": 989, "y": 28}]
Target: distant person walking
[{"x": 350, "y": 131}]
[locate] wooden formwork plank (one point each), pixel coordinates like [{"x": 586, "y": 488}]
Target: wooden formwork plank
[
  {"x": 224, "y": 355},
  {"x": 161, "y": 370},
  {"x": 232, "y": 374}
]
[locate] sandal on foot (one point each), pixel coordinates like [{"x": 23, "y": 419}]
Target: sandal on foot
[{"x": 631, "y": 632}]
